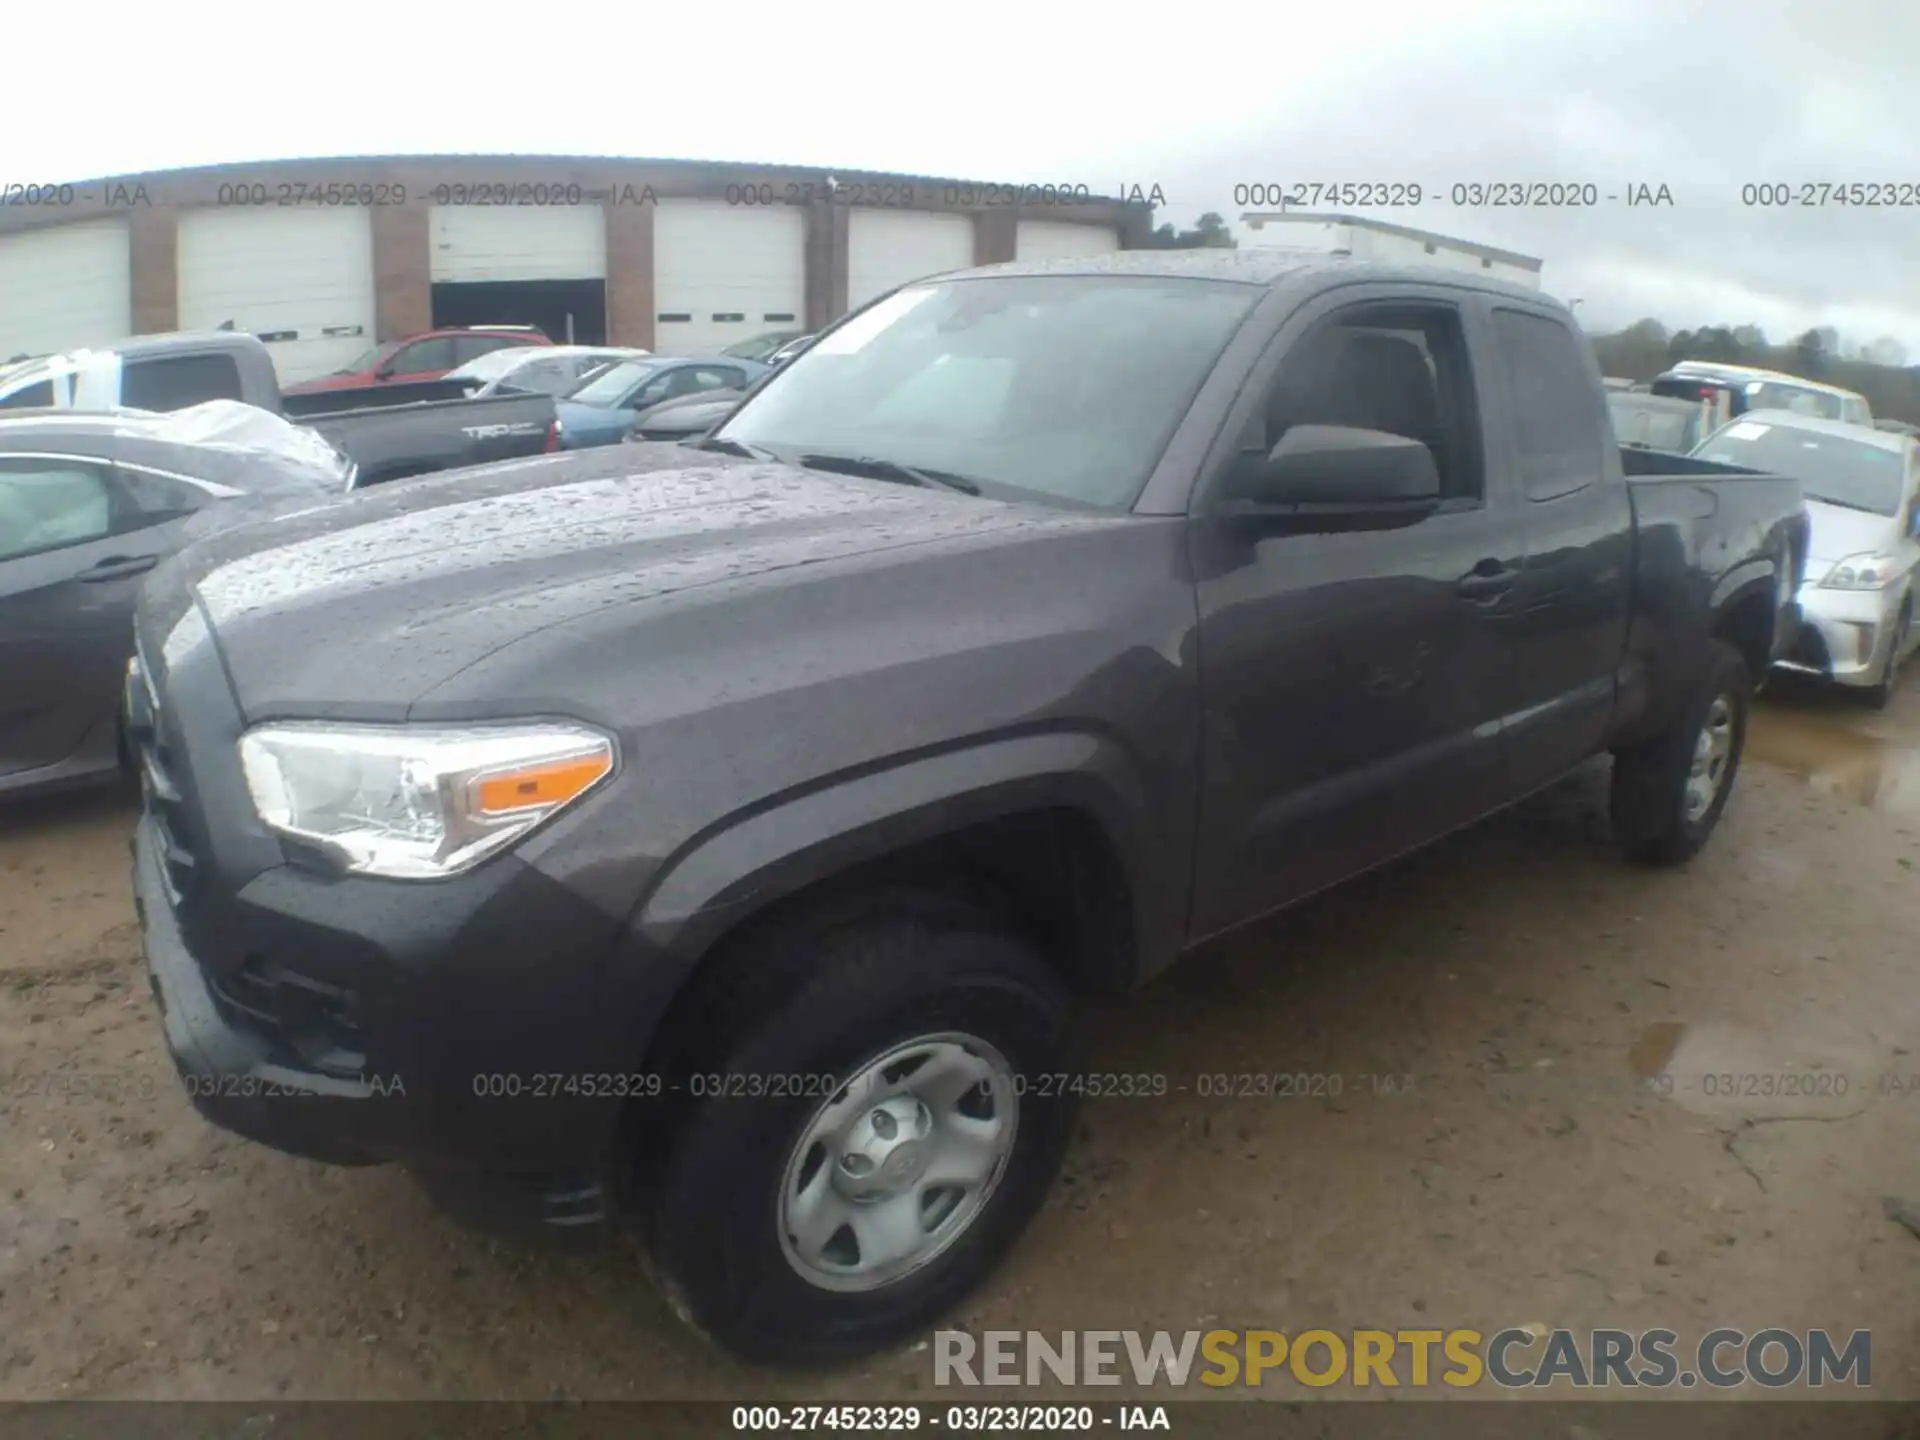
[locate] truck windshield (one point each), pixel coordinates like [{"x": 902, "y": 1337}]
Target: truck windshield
[
  {"x": 1831, "y": 468},
  {"x": 1066, "y": 388}
]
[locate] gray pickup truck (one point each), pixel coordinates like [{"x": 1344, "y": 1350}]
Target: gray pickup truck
[
  {"x": 388, "y": 431},
  {"x": 728, "y": 836}
]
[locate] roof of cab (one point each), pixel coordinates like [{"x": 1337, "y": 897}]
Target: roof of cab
[{"x": 1247, "y": 267}]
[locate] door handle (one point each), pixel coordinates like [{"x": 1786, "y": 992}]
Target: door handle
[
  {"x": 1488, "y": 580},
  {"x": 117, "y": 567}
]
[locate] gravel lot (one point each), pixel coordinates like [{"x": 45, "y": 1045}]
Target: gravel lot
[{"x": 1520, "y": 974}]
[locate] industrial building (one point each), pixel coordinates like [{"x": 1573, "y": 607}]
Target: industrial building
[
  {"x": 1313, "y": 233},
  {"x": 322, "y": 258}
]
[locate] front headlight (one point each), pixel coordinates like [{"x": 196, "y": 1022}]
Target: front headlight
[
  {"x": 418, "y": 803},
  {"x": 1860, "y": 572}
]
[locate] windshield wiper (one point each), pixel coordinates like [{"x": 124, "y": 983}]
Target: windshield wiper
[
  {"x": 877, "y": 469},
  {"x": 733, "y": 447}
]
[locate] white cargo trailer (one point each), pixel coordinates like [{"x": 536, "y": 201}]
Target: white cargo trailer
[{"x": 1313, "y": 233}]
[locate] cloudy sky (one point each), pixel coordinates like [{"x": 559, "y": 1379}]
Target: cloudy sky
[{"x": 1617, "y": 94}]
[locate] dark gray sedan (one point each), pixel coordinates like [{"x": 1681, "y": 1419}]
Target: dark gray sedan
[{"x": 89, "y": 504}]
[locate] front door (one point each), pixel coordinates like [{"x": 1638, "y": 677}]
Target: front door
[{"x": 1352, "y": 679}]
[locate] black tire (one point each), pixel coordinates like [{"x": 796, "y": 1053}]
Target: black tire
[
  {"x": 1880, "y": 694},
  {"x": 828, "y": 996},
  {"x": 1649, "y": 800}
]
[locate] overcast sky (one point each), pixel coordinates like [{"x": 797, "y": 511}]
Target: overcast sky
[{"x": 1619, "y": 93}]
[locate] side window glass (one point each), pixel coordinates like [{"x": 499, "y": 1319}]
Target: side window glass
[
  {"x": 1556, "y": 411},
  {"x": 51, "y": 504},
  {"x": 29, "y": 397},
  {"x": 425, "y": 355},
  {"x": 174, "y": 382},
  {"x": 1401, "y": 369},
  {"x": 156, "y": 498}
]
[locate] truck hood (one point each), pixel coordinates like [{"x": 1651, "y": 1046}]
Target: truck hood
[
  {"x": 1837, "y": 532},
  {"x": 361, "y": 606}
]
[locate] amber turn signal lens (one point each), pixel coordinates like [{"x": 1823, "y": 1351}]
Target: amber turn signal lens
[{"x": 539, "y": 785}]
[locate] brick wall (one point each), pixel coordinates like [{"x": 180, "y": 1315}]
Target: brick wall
[{"x": 402, "y": 253}]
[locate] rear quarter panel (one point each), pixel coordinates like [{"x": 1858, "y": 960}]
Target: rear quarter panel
[{"x": 1707, "y": 538}]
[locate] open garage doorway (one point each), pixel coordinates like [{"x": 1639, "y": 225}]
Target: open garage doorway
[{"x": 567, "y": 311}]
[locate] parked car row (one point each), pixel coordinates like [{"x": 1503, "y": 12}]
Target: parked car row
[
  {"x": 426, "y": 356},
  {"x": 1861, "y": 478},
  {"x": 390, "y": 432}
]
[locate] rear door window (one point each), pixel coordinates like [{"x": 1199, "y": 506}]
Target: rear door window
[
  {"x": 1562, "y": 442},
  {"x": 52, "y": 504}
]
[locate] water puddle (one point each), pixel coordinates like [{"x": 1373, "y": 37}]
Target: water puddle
[
  {"x": 1731, "y": 1073},
  {"x": 1839, "y": 754}
]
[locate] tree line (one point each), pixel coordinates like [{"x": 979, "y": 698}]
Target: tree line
[{"x": 1878, "y": 370}]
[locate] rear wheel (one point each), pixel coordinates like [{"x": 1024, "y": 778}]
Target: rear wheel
[
  {"x": 1669, "y": 791},
  {"x": 863, "y": 1149}
]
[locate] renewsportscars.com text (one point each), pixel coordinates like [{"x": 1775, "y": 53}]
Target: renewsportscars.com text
[{"x": 1772, "y": 1358}]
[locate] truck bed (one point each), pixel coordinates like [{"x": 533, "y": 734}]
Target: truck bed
[
  {"x": 1703, "y": 533},
  {"x": 372, "y": 397},
  {"x": 390, "y": 442}
]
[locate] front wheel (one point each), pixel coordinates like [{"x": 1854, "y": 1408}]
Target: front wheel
[
  {"x": 902, "y": 1154},
  {"x": 1669, "y": 791},
  {"x": 1880, "y": 694}
]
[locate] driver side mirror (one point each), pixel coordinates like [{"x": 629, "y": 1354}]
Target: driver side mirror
[
  {"x": 1339, "y": 468},
  {"x": 385, "y": 372}
]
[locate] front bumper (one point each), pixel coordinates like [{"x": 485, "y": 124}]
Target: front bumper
[
  {"x": 1844, "y": 635},
  {"x": 475, "y": 1108}
]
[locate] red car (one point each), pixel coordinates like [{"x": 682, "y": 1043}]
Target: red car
[{"x": 426, "y": 356}]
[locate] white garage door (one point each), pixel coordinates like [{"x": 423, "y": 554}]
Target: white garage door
[
  {"x": 886, "y": 248},
  {"x": 64, "y": 287},
  {"x": 724, "y": 272},
  {"x": 1063, "y": 240},
  {"x": 519, "y": 242},
  {"x": 302, "y": 280}
]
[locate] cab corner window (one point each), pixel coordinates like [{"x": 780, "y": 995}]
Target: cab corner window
[{"x": 49, "y": 505}]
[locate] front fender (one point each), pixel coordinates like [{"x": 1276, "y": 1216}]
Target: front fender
[{"x": 738, "y": 867}]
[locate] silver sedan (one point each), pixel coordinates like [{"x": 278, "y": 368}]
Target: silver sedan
[{"x": 1863, "y": 498}]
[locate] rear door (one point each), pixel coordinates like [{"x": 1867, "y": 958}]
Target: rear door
[
  {"x": 75, "y": 546},
  {"x": 1571, "y": 603},
  {"x": 1353, "y": 678}
]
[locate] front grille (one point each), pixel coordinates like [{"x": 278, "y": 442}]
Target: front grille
[
  {"x": 312, "y": 1023},
  {"x": 164, "y": 799}
]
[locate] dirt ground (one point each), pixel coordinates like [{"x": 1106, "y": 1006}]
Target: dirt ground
[{"x": 1521, "y": 975}]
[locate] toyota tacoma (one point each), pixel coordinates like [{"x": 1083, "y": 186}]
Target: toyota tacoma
[{"x": 723, "y": 839}]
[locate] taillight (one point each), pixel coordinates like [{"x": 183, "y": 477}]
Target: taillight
[{"x": 553, "y": 437}]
